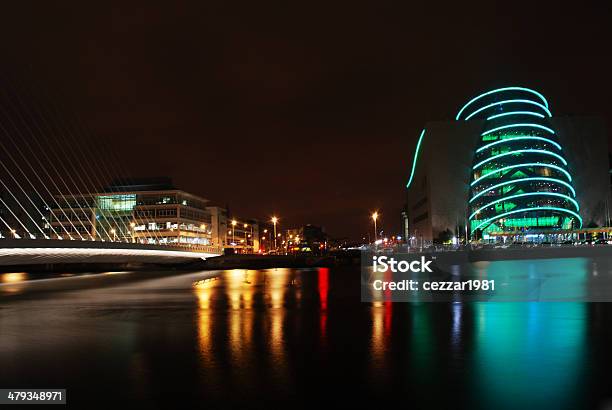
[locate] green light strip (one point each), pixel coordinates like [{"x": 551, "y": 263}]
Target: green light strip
[
  {"x": 518, "y": 151},
  {"x": 416, "y": 155},
  {"x": 535, "y": 114},
  {"x": 499, "y": 90},
  {"x": 526, "y": 194},
  {"x": 503, "y": 127},
  {"x": 521, "y": 137},
  {"x": 540, "y": 208},
  {"x": 522, "y": 180},
  {"x": 528, "y": 164},
  {"x": 508, "y": 102}
]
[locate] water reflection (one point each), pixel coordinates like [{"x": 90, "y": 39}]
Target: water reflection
[
  {"x": 381, "y": 327},
  {"x": 255, "y": 318},
  {"x": 13, "y": 277},
  {"x": 239, "y": 288},
  {"x": 12, "y": 282},
  {"x": 203, "y": 291},
  {"x": 323, "y": 286},
  {"x": 457, "y": 312},
  {"x": 380, "y": 343},
  {"x": 528, "y": 354},
  {"x": 537, "y": 280},
  {"x": 252, "y": 337},
  {"x": 505, "y": 351},
  {"x": 277, "y": 282},
  {"x": 422, "y": 343}
]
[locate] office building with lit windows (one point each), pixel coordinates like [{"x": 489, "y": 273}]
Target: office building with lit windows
[
  {"x": 151, "y": 211},
  {"x": 506, "y": 166},
  {"x": 147, "y": 211}
]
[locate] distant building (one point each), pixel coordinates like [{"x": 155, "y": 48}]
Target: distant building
[
  {"x": 241, "y": 234},
  {"x": 508, "y": 167},
  {"x": 307, "y": 238},
  {"x": 405, "y": 224}
]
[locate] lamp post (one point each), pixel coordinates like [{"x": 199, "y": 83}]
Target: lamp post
[
  {"x": 274, "y": 221},
  {"x": 246, "y": 243},
  {"x": 132, "y": 226},
  {"x": 233, "y": 231},
  {"x": 374, "y": 218}
]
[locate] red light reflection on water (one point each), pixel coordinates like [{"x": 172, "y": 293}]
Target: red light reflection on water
[
  {"x": 323, "y": 291},
  {"x": 388, "y": 305},
  {"x": 323, "y": 286}
]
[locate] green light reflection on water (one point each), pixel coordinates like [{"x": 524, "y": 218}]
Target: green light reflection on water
[
  {"x": 550, "y": 280},
  {"x": 531, "y": 354},
  {"x": 528, "y": 355}
]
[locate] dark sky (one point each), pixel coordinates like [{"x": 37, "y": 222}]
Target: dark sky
[{"x": 302, "y": 109}]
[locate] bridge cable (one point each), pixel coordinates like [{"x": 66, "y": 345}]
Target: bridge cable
[
  {"x": 44, "y": 218},
  {"x": 77, "y": 161},
  {"x": 34, "y": 170},
  {"x": 50, "y": 162},
  {"x": 115, "y": 171},
  {"x": 17, "y": 218}
]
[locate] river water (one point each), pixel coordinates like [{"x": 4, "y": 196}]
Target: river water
[{"x": 291, "y": 337}]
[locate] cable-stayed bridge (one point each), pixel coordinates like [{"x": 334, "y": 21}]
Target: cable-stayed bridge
[{"x": 57, "y": 201}]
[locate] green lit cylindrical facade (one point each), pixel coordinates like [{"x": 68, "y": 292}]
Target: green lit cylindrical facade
[{"x": 520, "y": 181}]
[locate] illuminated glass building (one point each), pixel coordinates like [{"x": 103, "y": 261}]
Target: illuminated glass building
[
  {"x": 148, "y": 211},
  {"x": 151, "y": 211},
  {"x": 520, "y": 178},
  {"x": 506, "y": 166}
]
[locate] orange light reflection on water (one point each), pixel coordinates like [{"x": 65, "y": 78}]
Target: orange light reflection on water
[{"x": 13, "y": 277}]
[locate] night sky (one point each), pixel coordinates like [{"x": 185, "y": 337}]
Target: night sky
[{"x": 306, "y": 110}]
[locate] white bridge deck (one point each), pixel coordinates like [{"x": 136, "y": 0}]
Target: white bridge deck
[{"x": 51, "y": 251}]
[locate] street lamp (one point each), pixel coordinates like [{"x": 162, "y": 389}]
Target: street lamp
[
  {"x": 233, "y": 231},
  {"x": 263, "y": 239},
  {"x": 374, "y": 218},
  {"x": 274, "y": 221},
  {"x": 245, "y": 237}
]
